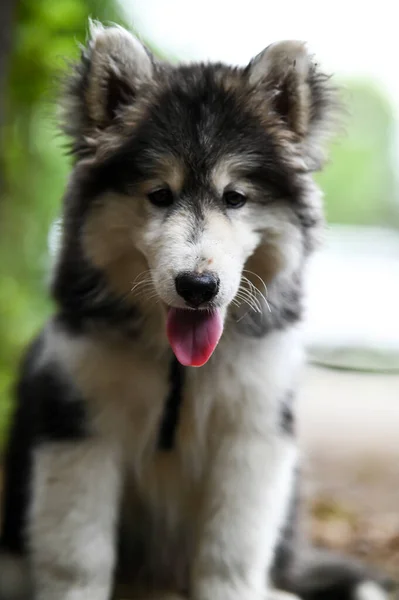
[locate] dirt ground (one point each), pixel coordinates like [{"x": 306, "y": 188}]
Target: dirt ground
[
  {"x": 349, "y": 437},
  {"x": 349, "y": 440}
]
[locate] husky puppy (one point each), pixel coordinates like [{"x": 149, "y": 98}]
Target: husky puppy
[{"x": 188, "y": 220}]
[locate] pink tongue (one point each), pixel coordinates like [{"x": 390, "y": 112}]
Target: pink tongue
[{"x": 193, "y": 335}]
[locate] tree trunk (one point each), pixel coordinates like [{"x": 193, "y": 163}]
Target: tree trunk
[{"x": 7, "y": 14}]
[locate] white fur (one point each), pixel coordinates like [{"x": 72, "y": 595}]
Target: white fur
[
  {"x": 249, "y": 485},
  {"x": 369, "y": 590},
  {"x": 73, "y": 520},
  {"x": 228, "y": 452},
  {"x": 222, "y": 244},
  {"x": 222, "y": 248},
  {"x": 280, "y": 595},
  {"x": 251, "y": 469}
]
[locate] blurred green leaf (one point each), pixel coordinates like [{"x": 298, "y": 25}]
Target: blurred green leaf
[
  {"x": 45, "y": 37},
  {"x": 359, "y": 182}
]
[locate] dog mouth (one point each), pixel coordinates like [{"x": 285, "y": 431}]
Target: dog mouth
[{"x": 193, "y": 334}]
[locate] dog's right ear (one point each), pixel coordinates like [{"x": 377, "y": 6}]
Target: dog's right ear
[{"x": 113, "y": 67}]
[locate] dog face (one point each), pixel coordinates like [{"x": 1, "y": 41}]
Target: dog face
[{"x": 192, "y": 185}]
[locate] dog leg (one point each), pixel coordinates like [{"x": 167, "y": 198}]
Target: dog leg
[
  {"x": 250, "y": 476},
  {"x": 249, "y": 491},
  {"x": 73, "y": 519}
]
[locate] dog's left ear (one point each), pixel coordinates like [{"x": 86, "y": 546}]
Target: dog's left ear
[{"x": 299, "y": 94}]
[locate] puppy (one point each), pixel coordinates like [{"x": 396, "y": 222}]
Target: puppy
[{"x": 188, "y": 221}]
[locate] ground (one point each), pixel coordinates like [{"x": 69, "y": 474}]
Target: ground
[{"x": 348, "y": 429}]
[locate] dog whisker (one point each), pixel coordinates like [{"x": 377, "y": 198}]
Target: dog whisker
[
  {"x": 251, "y": 299},
  {"x": 256, "y": 289}
]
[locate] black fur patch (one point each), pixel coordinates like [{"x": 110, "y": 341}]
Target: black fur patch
[
  {"x": 196, "y": 119},
  {"x": 48, "y": 409},
  {"x": 61, "y": 414},
  {"x": 287, "y": 546},
  {"x": 329, "y": 576},
  {"x": 287, "y": 416},
  {"x": 173, "y": 402},
  {"x": 118, "y": 92},
  {"x": 82, "y": 305},
  {"x": 18, "y": 462}
]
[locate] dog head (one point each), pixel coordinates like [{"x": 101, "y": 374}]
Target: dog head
[{"x": 192, "y": 183}]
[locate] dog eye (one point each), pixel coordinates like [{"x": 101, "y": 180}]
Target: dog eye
[
  {"x": 234, "y": 199},
  {"x": 161, "y": 197}
]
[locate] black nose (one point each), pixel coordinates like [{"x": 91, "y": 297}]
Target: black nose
[{"x": 197, "y": 288}]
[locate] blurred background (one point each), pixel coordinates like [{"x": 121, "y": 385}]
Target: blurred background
[{"x": 349, "y": 405}]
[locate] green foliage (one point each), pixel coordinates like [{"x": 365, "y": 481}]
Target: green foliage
[
  {"x": 45, "y": 37},
  {"x": 359, "y": 182}
]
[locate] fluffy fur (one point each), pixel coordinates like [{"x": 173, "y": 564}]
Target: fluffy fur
[{"x": 126, "y": 472}]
